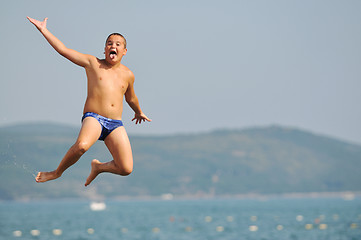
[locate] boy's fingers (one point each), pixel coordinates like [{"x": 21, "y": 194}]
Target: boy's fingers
[
  {"x": 141, "y": 119},
  {"x": 30, "y": 19}
]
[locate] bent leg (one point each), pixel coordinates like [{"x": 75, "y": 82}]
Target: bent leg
[
  {"x": 119, "y": 146},
  {"x": 88, "y": 135}
]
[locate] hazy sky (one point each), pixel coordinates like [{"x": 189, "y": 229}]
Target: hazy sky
[{"x": 199, "y": 65}]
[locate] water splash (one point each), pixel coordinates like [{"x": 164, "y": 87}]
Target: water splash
[
  {"x": 26, "y": 168},
  {"x": 9, "y": 159}
]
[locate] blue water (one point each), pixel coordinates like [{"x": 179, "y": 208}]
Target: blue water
[{"x": 192, "y": 220}]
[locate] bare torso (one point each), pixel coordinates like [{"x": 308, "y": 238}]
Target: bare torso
[{"x": 106, "y": 88}]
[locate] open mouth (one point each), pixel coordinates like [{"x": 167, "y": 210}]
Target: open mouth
[{"x": 112, "y": 54}]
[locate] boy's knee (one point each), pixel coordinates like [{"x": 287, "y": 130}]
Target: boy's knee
[
  {"x": 126, "y": 171},
  {"x": 81, "y": 147}
]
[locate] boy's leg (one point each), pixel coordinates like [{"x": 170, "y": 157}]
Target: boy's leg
[
  {"x": 119, "y": 146},
  {"x": 88, "y": 135}
]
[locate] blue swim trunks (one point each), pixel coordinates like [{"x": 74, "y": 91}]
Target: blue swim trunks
[{"x": 108, "y": 125}]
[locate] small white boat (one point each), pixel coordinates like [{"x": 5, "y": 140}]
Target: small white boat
[{"x": 97, "y": 206}]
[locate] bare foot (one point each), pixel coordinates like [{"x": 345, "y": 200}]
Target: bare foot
[
  {"x": 94, "y": 171},
  {"x": 46, "y": 176}
]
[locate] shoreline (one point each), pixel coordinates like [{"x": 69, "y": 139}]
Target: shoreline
[{"x": 345, "y": 195}]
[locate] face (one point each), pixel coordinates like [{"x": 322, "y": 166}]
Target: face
[{"x": 114, "y": 49}]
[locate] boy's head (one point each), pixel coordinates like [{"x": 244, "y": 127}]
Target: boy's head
[
  {"x": 117, "y": 34},
  {"x": 115, "y": 48}
]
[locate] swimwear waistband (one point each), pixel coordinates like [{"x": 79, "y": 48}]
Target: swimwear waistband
[{"x": 95, "y": 115}]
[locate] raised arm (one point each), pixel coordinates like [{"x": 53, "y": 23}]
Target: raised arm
[
  {"x": 72, "y": 55},
  {"x": 133, "y": 102}
]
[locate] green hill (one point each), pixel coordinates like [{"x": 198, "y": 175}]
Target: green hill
[{"x": 224, "y": 162}]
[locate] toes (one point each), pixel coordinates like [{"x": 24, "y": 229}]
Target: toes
[{"x": 37, "y": 178}]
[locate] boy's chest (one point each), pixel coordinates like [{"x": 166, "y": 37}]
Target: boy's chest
[{"x": 110, "y": 80}]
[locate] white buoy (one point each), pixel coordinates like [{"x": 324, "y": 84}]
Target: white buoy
[
  {"x": 188, "y": 229},
  {"x": 323, "y": 226},
  {"x": 17, "y": 233},
  {"x": 57, "y": 232},
  {"x": 90, "y": 231},
  {"x": 308, "y": 226},
  {"x": 155, "y": 230},
  {"x": 253, "y": 228},
  {"x": 220, "y": 229},
  {"x": 35, "y": 232}
]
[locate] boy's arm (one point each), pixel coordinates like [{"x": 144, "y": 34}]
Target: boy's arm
[
  {"x": 133, "y": 102},
  {"x": 72, "y": 55}
]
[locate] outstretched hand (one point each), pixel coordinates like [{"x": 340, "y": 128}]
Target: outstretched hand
[
  {"x": 140, "y": 117},
  {"x": 39, "y": 25}
]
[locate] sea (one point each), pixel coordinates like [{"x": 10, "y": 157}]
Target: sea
[{"x": 216, "y": 219}]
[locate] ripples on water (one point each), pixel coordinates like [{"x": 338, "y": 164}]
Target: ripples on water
[{"x": 306, "y": 219}]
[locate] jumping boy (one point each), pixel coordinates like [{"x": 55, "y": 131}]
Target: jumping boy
[{"x": 108, "y": 82}]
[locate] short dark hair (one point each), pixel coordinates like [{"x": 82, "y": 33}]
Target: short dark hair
[{"x": 117, "y": 34}]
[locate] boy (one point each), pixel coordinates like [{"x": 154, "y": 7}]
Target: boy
[{"x": 108, "y": 82}]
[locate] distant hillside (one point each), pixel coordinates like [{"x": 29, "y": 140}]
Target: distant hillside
[{"x": 225, "y": 162}]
